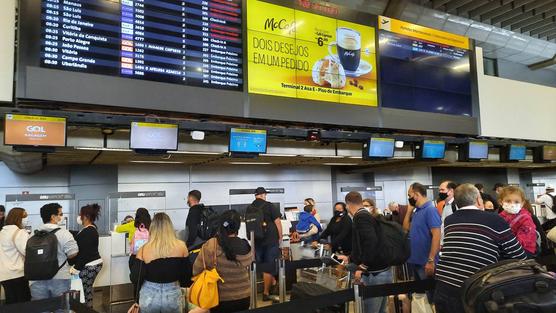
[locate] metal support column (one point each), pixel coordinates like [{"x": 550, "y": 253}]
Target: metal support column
[
  {"x": 358, "y": 305},
  {"x": 282, "y": 279},
  {"x": 253, "y": 278}
]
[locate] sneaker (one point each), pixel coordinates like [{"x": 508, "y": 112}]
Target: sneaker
[
  {"x": 275, "y": 290},
  {"x": 267, "y": 298}
]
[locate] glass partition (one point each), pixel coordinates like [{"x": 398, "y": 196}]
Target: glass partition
[{"x": 32, "y": 203}]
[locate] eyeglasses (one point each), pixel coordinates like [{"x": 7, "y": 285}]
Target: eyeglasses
[{"x": 60, "y": 214}]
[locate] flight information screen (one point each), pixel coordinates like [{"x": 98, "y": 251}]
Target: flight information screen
[{"x": 189, "y": 42}]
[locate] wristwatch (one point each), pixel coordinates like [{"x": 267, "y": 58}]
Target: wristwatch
[{"x": 430, "y": 260}]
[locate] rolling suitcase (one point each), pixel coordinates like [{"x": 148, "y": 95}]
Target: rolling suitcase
[
  {"x": 511, "y": 286},
  {"x": 304, "y": 290}
]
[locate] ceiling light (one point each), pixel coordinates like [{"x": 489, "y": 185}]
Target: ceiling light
[
  {"x": 195, "y": 152},
  {"x": 250, "y": 163},
  {"x": 278, "y": 155},
  {"x": 340, "y": 164},
  {"x": 355, "y": 157},
  {"x": 157, "y": 162},
  {"x": 102, "y": 149}
]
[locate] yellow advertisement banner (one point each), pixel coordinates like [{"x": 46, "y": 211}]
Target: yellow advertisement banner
[
  {"x": 292, "y": 53},
  {"x": 30, "y": 118},
  {"x": 155, "y": 125},
  {"x": 421, "y": 32}
]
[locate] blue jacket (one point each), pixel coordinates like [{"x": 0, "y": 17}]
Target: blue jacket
[{"x": 305, "y": 221}]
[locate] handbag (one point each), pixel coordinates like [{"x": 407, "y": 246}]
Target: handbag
[
  {"x": 204, "y": 290},
  {"x": 135, "y": 307},
  {"x": 420, "y": 304}
]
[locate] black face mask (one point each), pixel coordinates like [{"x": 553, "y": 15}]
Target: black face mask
[
  {"x": 412, "y": 201},
  {"x": 339, "y": 214},
  {"x": 442, "y": 196},
  {"x": 395, "y": 213}
]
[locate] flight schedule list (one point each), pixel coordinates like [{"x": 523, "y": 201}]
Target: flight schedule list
[{"x": 190, "y": 42}]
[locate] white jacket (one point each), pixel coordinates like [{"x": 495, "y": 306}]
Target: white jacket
[{"x": 12, "y": 252}]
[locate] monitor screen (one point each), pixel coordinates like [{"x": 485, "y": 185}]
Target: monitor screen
[
  {"x": 433, "y": 149},
  {"x": 153, "y": 136},
  {"x": 517, "y": 152},
  {"x": 247, "y": 140},
  {"x": 549, "y": 153},
  {"x": 32, "y": 130},
  {"x": 478, "y": 150},
  {"x": 381, "y": 148}
]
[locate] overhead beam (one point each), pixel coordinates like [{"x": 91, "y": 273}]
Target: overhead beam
[
  {"x": 526, "y": 22},
  {"x": 438, "y": 3},
  {"x": 518, "y": 3},
  {"x": 395, "y": 8},
  {"x": 455, "y": 4},
  {"x": 508, "y": 15},
  {"x": 499, "y": 10},
  {"x": 543, "y": 64},
  {"x": 537, "y": 25},
  {"x": 537, "y": 4},
  {"x": 549, "y": 27},
  {"x": 471, "y": 6},
  {"x": 546, "y": 7},
  {"x": 492, "y": 5},
  {"x": 516, "y": 19},
  {"x": 551, "y": 37},
  {"x": 548, "y": 32}
]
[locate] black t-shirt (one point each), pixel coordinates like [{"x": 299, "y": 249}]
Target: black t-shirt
[
  {"x": 271, "y": 213},
  {"x": 87, "y": 241},
  {"x": 192, "y": 225}
]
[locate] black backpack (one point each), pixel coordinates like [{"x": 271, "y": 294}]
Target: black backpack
[
  {"x": 208, "y": 226},
  {"x": 510, "y": 286},
  {"x": 41, "y": 256},
  {"x": 255, "y": 222},
  {"x": 553, "y": 208}
]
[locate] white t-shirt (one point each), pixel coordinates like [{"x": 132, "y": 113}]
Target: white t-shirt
[
  {"x": 546, "y": 200},
  {"x": 12, "y": 252}
]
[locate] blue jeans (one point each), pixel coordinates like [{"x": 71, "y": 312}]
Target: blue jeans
[
  {"x": 377, "y": 305},
  {"x": 160, "y": 298},
  {"x": 44, "y": 289}
]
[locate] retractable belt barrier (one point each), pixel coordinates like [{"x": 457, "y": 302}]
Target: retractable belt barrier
[
  {"x": 47, "y": 305},
  {"x": 343, "y": 296}
]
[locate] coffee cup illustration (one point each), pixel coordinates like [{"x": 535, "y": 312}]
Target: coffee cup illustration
[{"x": 348, "y": 45}]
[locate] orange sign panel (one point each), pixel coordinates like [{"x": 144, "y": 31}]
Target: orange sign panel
[{"x": 30, "y": 130}]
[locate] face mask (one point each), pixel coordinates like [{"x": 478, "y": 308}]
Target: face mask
[
  {"x": 62, "y": 221},
  {"x": 442, "y": 196},
  {"x": 512, "y": 208},
  {"x": 412, "y": 201},
  {"x": 79, "y": 220},
  {"x": 338, "y": 214},
  {"x": 24, "y": 221}
]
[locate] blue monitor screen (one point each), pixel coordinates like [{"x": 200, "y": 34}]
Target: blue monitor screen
[
  {"x": 433, "y": 149},
  {"x": 247, "y": 140},
  {"x": 478, "y": 150},
  {"x": 381, "y": 148},
  {"x": 517, "y": 152}
]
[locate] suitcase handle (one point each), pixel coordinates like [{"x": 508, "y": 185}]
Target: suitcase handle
[
  {"x": 514, "y": 265},
  {"x": 548, "y": 308}
]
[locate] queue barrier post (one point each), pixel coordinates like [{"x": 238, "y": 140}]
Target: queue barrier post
[
  {"x": 358, "y": 304},
  {"x": 282, "y": 279},
  {"x": 253, "y": 281},
  {"x": 349, "y": 286}
]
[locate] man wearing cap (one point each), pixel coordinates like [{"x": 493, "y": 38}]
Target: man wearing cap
[
  {"x": 547, "y": 200},
  {"x": 267, "y": 250}
]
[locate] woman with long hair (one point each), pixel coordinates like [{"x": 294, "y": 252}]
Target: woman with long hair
[
  {"x": 13, "y": 240},
  {"x": 88, "y": 262},
  {"x": 233, "y": 257},
  {"x": 163, "y": 266}
]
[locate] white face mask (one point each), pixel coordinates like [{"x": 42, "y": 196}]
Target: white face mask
[
  {"x": 512, "y": 208},
  {"x": 79, "y": 220},
  {"x": 24, "y": 222},
  {"x": 62, "y": 222}
]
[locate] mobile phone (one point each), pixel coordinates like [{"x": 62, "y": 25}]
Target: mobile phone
[{"x": 336, "y": 259}]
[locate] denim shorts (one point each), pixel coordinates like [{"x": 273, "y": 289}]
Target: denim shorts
[
  {"x": 268, "y": 255},
  {"x": 161, "y": 298},
  {"x": 44, "y": 289}
]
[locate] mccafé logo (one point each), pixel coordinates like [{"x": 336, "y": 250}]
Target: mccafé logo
[
  {"x": 282, "y": 24},
  {"x": 35, "y": 129}
]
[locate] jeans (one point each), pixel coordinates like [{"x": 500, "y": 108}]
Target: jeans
[
  {"x": 377, "y": 305},
  {"x": 419, "y": 274},
  {"x": 447, "y": 299},
  {"x": 161, "y": 298},
  {"x": 44, "y": 289}
]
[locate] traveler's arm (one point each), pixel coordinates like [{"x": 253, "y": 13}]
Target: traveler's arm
[
  {"x": 368, "y": 239},
  {"x": 125, "y": 228},
  {"x": 407, "y": 218},
  {"x": 278, "y": 223},
  {"x": 435, "y": 247},
  {"x": 192, "y": 225}
]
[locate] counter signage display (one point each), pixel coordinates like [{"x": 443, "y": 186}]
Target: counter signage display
[
  {"x": 153, "y": 136},
  {"x": 549, "y": 153},
  {"x": 433, "y": 149},
  {"x": 381, "y": 148},
  {"x": 247, "y": 141},
  {"x": 31, "y": 130},
  {"x": 189, "y": 42},
  {"x": 300, "y": 54},
  {"x": 478, "y": 150},
  {"x": 424, "y": 69},
  {"x": 517, "y": 152}
]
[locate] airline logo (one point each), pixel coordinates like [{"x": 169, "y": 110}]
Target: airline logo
[{"x": 30, "y": 130}]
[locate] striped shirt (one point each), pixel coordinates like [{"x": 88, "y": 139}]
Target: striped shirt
[{"x": 474, "y": 239}]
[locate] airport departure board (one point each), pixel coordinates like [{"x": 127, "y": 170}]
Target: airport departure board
[{"x": 189, "y": 42}]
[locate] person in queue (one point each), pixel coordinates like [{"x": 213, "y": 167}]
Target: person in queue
[
  {"x": 486, "y": 197},
  {"x": 308, "y": 227},
  {"x": 547, "y": 199},
  {"x": 397, "y": 212},
  {"x": 13, "y": 240},
  {"x": 365, "y": 252},
  {"x": 446, "y": 193},
  {"x": 233, "y": 256},
  {"x": 142, "y": 217},
  {"x": 424, "y": 233},
  {"x": 370, "y": 205},
  {"x": 473, "y": 240},
  {"x": 194, "y": 219},
  {"x": 315, "y": 213},
  {"x": 88, "y": 262},
  {"x": 498, "y": 188},
  {"x": 53, "y": 219},
  {"x": 267, "y": 250},
  {"x": 162, "y": 267},
  {"x": 489, "y": 206},
  {"x": 2, "y": 216},
  {"x": 339, "y": 230},
  {"x": 512, "y": 199}
]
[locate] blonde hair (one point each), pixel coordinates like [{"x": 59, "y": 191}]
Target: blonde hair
[
  {"x": 162, "y": 237},
  {"x": 510, "y": 190}
]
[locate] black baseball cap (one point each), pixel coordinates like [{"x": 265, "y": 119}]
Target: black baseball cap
[
  {"x": 498, "y": 185},
  {"x": 260, "y": 191}
]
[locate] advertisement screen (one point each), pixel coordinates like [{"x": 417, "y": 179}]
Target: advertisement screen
[
  {"x": 247, "y": 140},
  {"x": 433, "y": 149},
  {"x": 478, "y": 150},
  {"x": 549, "y": 153},
  {"x": 31, "y": 130},
  {"x": 423, "y": 69},
  {"x": 298, "y": 54},
  {"x": 153, "y": 136},
  {"x": 381, "y": 148},
  {"x": 517, "y": 152}
]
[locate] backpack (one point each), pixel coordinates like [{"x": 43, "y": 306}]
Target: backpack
[
  {"x": 255, "y": 222},
  {"x": 140, "y": 238},
  {"x": 510, "y": 286},
  {"x": 553, "y": 208},
  {"x": 208, "y": 226},
  {"x": 41, "y": 256}
]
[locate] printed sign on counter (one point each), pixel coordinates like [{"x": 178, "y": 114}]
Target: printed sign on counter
[{"x": 293, "y": 53}]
